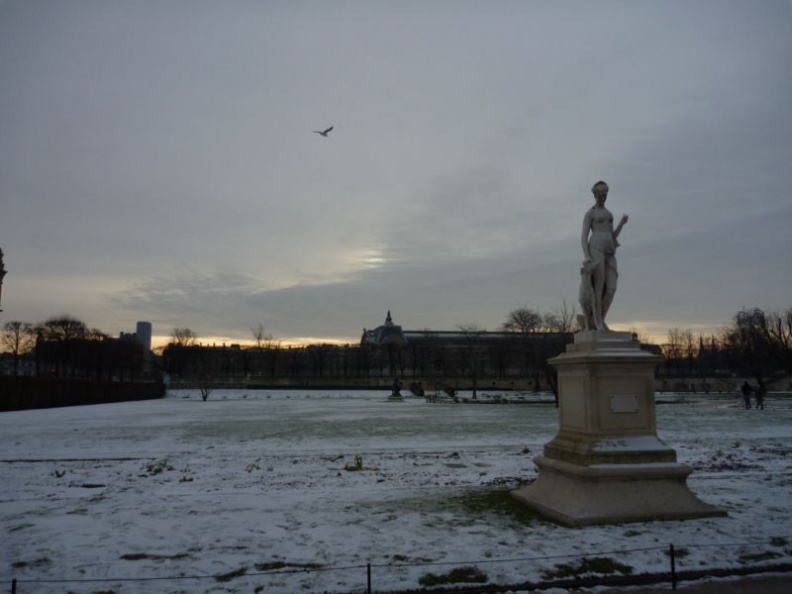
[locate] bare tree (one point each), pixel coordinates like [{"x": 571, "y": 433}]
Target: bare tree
[
  {"x": 260, "y": 336},
  {"x": 673, "y": 351},
  {"x": 18, "y": 339},
  {"x": 183, "y": 336},
  {"x": 690, "y": 352},
  {"x": 471, "y": 330},
  {"x": 64, "y": 328},
  {"x": 472, "y": 357},
  {"x": 562, "y": 319},
  {"x": 749, "y": 349},
  {"x": 541, "y": 337},
  {"x": 776, "y": 327},
  {"x": 523, "y": 319},
  {"x": 61, "y": 343},
  {"x": 675, "y": 346},
  {"x": 761, "y": 342}
]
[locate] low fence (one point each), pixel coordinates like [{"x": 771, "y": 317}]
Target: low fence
[
  {"x": 579, "y": 571},
  {"x": 21, "y": 393}
]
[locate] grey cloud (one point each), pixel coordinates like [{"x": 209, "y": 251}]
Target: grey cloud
[{"x": 143, "y": 139}]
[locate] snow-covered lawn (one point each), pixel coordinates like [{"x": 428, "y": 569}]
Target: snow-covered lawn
[{"x": 255, "y": 484}]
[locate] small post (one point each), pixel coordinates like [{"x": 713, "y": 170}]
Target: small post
[
  {"x": 13, "y": 586},
  {"x": 673, "y": 567},
  {"x": 368, "y": 578}
]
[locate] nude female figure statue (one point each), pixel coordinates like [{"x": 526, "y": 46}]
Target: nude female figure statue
[{"x": 599, "y": 274}]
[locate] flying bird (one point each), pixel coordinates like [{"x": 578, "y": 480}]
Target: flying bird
[{"x": 324, "y": 132}]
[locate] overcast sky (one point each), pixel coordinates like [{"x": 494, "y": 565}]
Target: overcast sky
[{"x": 158, "y": 161}]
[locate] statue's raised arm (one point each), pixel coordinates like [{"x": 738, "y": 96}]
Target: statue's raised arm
[{"x": 599, "y": 274}]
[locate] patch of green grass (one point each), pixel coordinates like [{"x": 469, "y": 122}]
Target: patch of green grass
[
  {"x": 407, "y": 559},
  {"x": 679, "y": 552},
  {"x": 150, "y": 557},
  {"x": 158, "y": 467},
  {"x": 357, "y": 465},
  {"x": 494, "y": 501},
  {"x": 227, "y": 577},
  {"x": 273, "y": 565},
  {"x": 587, "y": 566},
  {"x": 752, "y": 558},
  {"x": 460, "y": 575},
  {"x": 37, "y": 563}
]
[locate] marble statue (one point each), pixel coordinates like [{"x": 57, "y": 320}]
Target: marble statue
[
  {"x": 599, "y": 274},
  {"x": 606, "y": 464}
]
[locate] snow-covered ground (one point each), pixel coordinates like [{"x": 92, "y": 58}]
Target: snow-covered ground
[{"x": 254, "y": 485}]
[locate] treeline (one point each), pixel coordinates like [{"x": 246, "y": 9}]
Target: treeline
[
  {"x": 65, "y": 347},
  {"x": 470, "y": 361},
  {"x": 756, "y": 344},
  {"x": 466, "y": 356}
]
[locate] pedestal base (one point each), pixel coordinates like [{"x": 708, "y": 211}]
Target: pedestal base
[
  {"x": 606, "y": 464},
  {"x": 612, "y": 493}
]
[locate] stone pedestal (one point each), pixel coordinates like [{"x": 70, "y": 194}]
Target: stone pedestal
[{"x": 606, "y": 464}]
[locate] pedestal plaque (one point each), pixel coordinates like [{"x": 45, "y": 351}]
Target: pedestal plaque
[{"x": 606, "y": 464}]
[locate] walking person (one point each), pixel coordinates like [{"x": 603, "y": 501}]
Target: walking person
[
  {"x": 760, "y": 394},
  {"x": 746, "y": 392}
]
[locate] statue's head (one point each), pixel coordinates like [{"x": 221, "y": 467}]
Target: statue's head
[{"x": 599, "y": 187}]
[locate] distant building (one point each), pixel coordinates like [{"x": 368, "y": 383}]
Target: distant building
[
  {"x": 388, "y": 333},
  {"x": 469, "y": 358},
  {"x": 143, "y": 335}
]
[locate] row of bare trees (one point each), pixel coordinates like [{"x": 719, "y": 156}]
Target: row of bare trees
[
  {"x": 527, "y": 339},
  {"x": 64, "y": 346},
  {"x": 756, "y": 344},
  {"x": 526, "y": 320}
]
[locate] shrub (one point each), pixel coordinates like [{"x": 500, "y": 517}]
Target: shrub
[
  {"x": 227, "y": 577},
  {"x": 460, "y": 575},
  {"x": 356, "y": 465},
  {"x": 595, "y": 565},
  {"x": 158, "y": 467}
]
